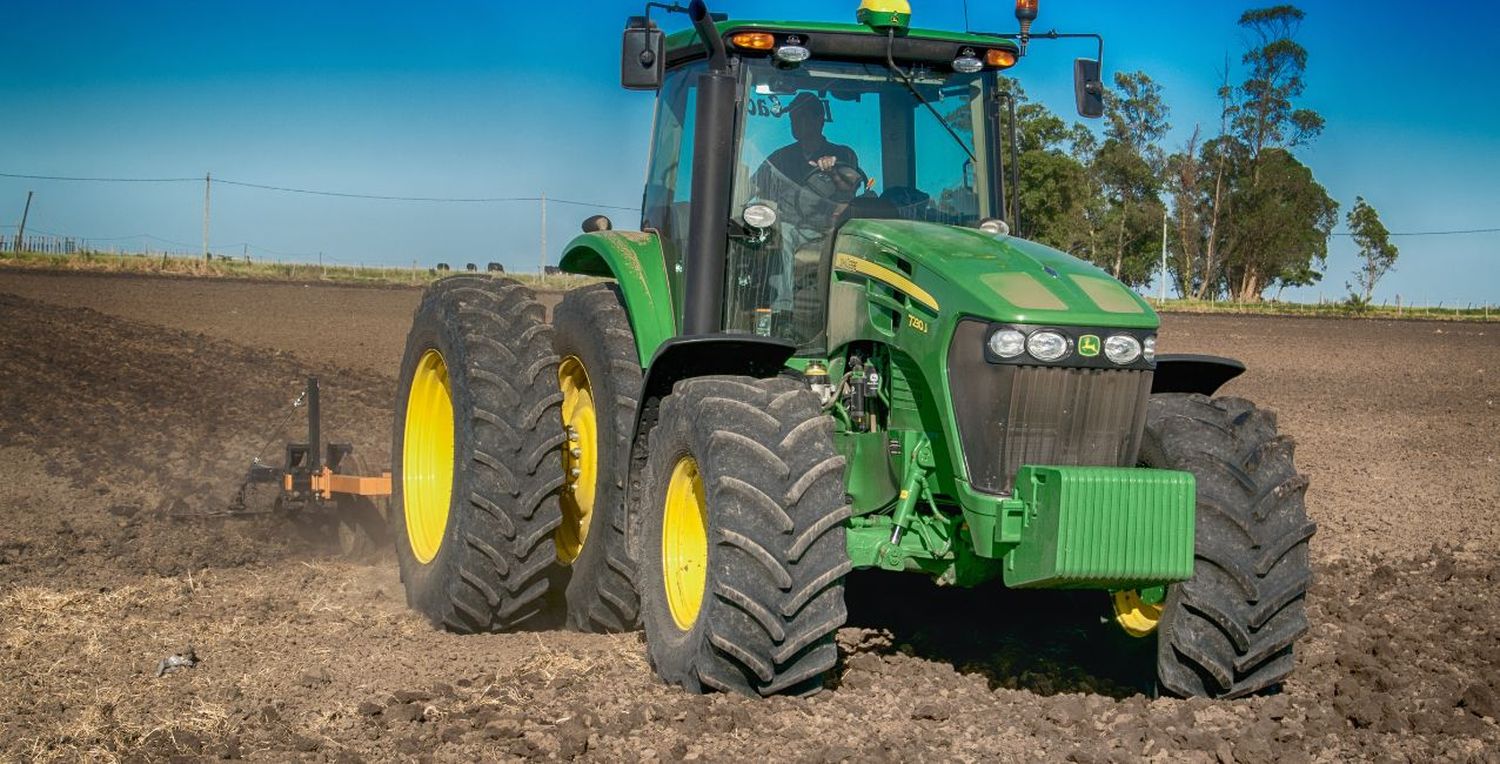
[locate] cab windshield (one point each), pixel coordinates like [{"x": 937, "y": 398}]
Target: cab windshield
[{"x": 827, "y": 142}]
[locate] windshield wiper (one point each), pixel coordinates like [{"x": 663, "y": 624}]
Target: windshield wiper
[{"x": 890, "y": 63}]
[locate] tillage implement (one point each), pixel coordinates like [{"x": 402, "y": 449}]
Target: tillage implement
[{"x": 826, "y": 349}]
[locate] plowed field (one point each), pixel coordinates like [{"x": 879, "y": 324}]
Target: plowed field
[{"x": 125, "y": 402}]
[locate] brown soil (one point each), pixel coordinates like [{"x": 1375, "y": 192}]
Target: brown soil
[{"x": 126, "y": 400}]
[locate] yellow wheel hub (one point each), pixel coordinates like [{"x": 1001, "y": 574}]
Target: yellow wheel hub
[
  {"x": 684, "y": 542},
  {"x": 427, "y": 456},
  {"x": 1137, "y": 617},
  {"x": 580, "y": 458}
]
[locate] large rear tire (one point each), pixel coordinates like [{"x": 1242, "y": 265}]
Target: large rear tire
[
  {"x": 600, "y": 376},
  {"x": 477, "y": 457},
  {"x": 743, "y": 556},
  {"x": 1230, "y": 630}
]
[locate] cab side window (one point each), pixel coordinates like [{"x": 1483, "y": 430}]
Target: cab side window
[{"x": 669, "y": 176}]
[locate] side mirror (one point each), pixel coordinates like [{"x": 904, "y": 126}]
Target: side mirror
[
  {"x": 1088, "y": 88},
  {"x": 643, "y": 55}
]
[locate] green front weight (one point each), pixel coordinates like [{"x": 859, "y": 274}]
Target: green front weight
[{"x": 1102, "y": 528}]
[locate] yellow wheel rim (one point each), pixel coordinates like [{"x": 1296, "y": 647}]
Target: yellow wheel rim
[
  {"x": 684, "y": 542},
  {"x": 1137, "y": 617},
  {"x": 580, "y": 458},
  {"x": 427, "y": 456}
]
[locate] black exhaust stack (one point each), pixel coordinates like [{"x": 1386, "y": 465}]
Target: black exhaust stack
[{"x": 713, "y": 146}]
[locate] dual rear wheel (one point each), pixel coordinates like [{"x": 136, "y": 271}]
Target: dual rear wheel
[
  {"x": 512, "y": 456},
  {"x": 510, "y": 451}
]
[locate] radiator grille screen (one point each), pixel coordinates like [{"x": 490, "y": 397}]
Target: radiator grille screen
[{"x": 1010, "y": 415}]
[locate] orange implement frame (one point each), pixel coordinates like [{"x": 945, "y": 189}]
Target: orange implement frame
[{"x": 327, "y": 483}]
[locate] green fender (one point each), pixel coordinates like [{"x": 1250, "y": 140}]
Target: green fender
[{"x": 634, "y": 260}]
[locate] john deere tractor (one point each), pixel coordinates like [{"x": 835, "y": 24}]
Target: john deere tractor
[{"x": 826, "y": 350}]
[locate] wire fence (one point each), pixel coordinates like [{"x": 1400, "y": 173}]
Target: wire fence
[
  {"x": 148, "y": 246},
  {"x": 40, "y": 242},
  {"x": 1399, "y": 308}
]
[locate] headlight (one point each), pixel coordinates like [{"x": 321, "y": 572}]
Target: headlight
[
  {"x": 1122, "y": 349},
  {"x": 1007, "y": 343},
  {"x": 1150, "y": 351},
  {"x": 1047, "y": 345}
]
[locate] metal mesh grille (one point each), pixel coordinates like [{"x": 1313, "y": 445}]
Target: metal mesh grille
[{"x": 1013, "y": 415}]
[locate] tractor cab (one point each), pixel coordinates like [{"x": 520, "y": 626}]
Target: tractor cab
[
  {"x": 806, "y": 127},
  {"x": 820, "y": 142}
]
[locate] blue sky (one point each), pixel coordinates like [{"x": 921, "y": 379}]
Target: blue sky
[{"x": 499, "y": 99}]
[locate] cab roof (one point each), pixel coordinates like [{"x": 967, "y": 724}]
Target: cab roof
[{"x": 841, "y": 41}]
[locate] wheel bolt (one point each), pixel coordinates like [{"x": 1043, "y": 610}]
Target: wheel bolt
[
  {"x": 576, "y": 452},
  {"x": 575, "y": 472}
]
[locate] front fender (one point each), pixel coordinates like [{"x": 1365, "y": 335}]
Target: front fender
[
  {"x": 634, "y": 260},
  {"x": 1186, "y": 373}
]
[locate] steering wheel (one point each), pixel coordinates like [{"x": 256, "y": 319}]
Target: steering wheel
[{"x": 838, "y": 184}]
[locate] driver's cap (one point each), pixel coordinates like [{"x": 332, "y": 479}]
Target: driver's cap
[{"x": 808, "y": 103}]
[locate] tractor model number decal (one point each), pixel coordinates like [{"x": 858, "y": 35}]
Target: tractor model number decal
[
  {"x": 1088, "y": 345},
  {"x": 916, "y": 323},
  {"x": 851, "y": 264}
]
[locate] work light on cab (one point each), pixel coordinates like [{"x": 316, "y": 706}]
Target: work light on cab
[
  {"x": 967, "y": 62},
  {"x": 759, "y": 216},
  {"x": 994, "y": 226},
  {"x": 793, "y": 52}
]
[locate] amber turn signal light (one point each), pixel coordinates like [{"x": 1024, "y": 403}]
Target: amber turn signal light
[
  {"x": 752, "y": 41},
  {"x": 1000, "y": 59}
]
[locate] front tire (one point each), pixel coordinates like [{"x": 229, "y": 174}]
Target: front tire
[
  {"x": 1230, "y": 630},
  {"x": 477, "y": 457},
  {"x": 743, "y": 553}
]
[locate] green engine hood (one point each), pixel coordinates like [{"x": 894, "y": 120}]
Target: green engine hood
[{"x": 1001, "y": 278}]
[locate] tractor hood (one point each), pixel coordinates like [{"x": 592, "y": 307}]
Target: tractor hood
[{"x": 1003, "y": 278}]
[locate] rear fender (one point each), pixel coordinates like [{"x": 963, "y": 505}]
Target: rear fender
[{"x": 634, "y": 260}]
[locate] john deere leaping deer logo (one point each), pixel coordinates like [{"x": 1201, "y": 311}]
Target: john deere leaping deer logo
[{"x": 1088, "y": 345}]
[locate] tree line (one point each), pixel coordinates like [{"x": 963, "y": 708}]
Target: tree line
[{"x": 1243, "y": 215}]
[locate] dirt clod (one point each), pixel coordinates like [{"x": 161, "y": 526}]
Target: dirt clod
[{"x": 1481, "y": 700}]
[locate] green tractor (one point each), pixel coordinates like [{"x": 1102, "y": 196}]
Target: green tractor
[{"x": 824, "y": 351}]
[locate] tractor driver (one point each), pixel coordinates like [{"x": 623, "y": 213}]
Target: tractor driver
[
  {"x": 811, "y": 180},
  {"x": 809, "y": 150},
  {"x": 810, "y": 163}
]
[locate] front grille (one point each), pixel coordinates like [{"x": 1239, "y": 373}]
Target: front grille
[{"x": 1010, "y": 415}]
